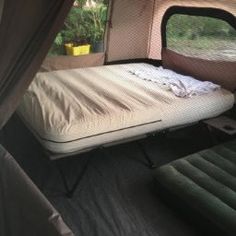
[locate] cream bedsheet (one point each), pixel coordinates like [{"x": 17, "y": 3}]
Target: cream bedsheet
[{"x": 77, "y": 109}]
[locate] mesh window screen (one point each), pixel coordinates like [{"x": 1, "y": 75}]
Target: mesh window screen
[{"x": 202, "y": 37}]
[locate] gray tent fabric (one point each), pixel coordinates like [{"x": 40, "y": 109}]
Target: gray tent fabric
[
  {"x": 27, "y": 30},
  {"x": 24, "y": 210}
]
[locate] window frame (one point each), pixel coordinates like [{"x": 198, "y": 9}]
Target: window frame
[{"x": 195, "y": 11}]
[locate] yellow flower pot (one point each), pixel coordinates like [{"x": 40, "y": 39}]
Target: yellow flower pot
[{"x": 77, "y": 50}]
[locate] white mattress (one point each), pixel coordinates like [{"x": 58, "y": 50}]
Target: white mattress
[{"x": 73, "y": 110}]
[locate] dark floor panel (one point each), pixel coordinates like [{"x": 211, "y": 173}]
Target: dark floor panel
[
  {"x": 116, "y": 197},
  {"x": 117, "y": 194}
]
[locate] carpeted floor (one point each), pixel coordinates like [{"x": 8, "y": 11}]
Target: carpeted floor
[{"x": 117, "y": 195}]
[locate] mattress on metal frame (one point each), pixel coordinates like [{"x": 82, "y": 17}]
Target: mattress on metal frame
[{"x": 75, "y": 110}]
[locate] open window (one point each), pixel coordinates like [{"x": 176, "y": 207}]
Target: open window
[
  {"x": 196, "y": 35},
  {"x": 83, "y": 30}
]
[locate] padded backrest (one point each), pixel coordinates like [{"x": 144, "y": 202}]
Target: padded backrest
[{"x": 219, "y": 72}]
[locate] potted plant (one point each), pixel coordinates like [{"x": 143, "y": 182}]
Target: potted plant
[
  {"x": 75, "y": 33},
  {"x": 98, "y": 18},
  {"x": 85, "y": 25}
]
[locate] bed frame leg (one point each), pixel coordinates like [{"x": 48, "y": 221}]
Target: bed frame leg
[
  {"x": 63, "y": 177},
  {"x": 70, "y": 191},
  {"x": 151, "y": 163}
]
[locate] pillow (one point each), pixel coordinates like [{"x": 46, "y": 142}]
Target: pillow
[{"x": 218, "y": 72}]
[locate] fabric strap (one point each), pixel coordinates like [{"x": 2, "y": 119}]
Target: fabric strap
[{"x": 1, "y": 8}]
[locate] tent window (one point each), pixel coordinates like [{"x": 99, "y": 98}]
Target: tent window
[
  {"x": 200, "y": 36},
  {"x": 83, "y": 30}
]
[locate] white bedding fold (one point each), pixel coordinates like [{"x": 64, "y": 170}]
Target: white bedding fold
[{"x": 180, "y": 85}]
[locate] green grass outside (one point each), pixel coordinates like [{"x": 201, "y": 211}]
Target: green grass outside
[
  {"x": 203, "y": 46},
  {"x": 201, "y": 43}
]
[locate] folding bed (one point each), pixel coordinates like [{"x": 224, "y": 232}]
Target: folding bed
[{"x": 71, "y": 111}]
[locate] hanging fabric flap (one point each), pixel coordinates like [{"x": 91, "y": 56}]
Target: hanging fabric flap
[{"x": 27, "y": 30}]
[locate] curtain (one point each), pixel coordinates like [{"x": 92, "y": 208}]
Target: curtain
[{"x": 27, "y": 30}]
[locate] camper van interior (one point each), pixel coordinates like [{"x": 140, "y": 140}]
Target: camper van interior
[{"x": 118, "y": 117}]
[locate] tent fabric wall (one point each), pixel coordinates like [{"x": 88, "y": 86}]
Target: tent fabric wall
[
  {"x": 129, "y": 29},
  {"x": 219, "y": 72},
  {"x": 27, "y": 30},
  {"x": 24, "y": 210},
  {"x": 162, "y": 5}
]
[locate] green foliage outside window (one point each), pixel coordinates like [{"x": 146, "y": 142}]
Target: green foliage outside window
[
  {"x": 197, "y": 26},
  {"x": 84, "y": 24},
  {"x": 199, "y": 36}
]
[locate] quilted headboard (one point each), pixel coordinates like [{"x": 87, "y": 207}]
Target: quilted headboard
[{"x": 219, "y": 72}]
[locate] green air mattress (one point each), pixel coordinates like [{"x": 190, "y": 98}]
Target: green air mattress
[{"x": 206, "y": 183}]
